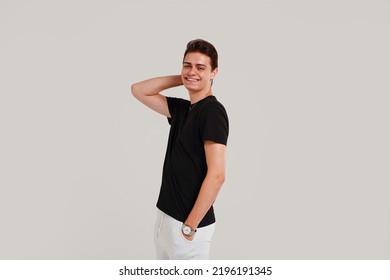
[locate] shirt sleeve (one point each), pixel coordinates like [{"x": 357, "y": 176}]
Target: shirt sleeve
[
  {"x": 175, "y": 106},
  {"x": 214, "y": 123}
]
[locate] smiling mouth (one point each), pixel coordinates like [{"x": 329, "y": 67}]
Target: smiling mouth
[{"x": 192, "y": 79}]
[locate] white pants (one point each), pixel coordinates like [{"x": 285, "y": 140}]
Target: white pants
[{"x": 170, "y": 243}]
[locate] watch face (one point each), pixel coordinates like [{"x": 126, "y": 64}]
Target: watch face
[{"x": 187, "y": 230}]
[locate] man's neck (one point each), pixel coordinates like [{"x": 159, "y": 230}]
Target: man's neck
[{"x": 197, "y": 96}]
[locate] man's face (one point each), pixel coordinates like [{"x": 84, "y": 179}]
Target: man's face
[{"x": 196, "y": 73}]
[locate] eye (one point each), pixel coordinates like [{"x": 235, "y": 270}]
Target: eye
[{"x": 201, "y": 68}]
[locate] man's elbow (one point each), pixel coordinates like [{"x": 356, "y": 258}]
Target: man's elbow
[
  {"x": 219, "y": 178},
  {"x": 134, "y": 90}
]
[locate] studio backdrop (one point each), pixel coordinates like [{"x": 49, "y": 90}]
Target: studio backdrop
[{"x": 306, "y": 87}]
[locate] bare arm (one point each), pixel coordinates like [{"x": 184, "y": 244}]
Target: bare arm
[
  {"x": 215, "y": 158},
  {"x": 148, "y": 92}
]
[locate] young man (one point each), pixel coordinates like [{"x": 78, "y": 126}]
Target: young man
[{"x": 194, "y": 166}]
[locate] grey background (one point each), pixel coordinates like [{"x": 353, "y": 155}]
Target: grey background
[{"x": 306, "y": 86}]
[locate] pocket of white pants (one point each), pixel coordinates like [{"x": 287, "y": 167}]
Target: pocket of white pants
[
  {"x": 159, "y": 223},
  {"x": 180, "y": 232}
]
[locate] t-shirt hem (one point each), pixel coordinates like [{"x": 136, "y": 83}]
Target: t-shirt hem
[{"x": 200, "y": 225}]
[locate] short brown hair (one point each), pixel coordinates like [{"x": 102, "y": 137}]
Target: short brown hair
[{"x": 204, "y": 47}]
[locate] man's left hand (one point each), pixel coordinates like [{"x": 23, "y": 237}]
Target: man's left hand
[{"x": 188, "y": 237}]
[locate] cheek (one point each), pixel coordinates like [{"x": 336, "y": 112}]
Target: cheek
[{"x": 209, "y": 77}]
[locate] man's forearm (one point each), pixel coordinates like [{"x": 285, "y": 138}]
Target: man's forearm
[
  {"x": 155, "y": 85},
  {"x": 212, "y": 183},
  {"x": 206, "y": 197}
]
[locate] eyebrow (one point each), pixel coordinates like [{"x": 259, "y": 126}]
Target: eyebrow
[{"x": 199, "y": 64}]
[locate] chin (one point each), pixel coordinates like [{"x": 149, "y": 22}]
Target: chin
[{"x": 191, "y": 88}]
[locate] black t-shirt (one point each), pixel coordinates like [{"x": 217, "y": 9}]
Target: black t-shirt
[{"x": 185, "y": 164}]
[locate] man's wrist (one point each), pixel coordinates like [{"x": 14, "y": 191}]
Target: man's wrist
[{"x": 188, "y": 230}]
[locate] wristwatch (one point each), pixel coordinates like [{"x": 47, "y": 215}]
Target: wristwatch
[{"x": 187, "y": 230}]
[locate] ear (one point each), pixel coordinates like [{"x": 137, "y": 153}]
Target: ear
[{"x": 214, "y": 73}]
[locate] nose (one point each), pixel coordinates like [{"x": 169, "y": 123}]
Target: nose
[{"x": 191, "y": 71}]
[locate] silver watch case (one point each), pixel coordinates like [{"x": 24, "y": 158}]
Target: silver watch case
[{"x": 187, "y": 230}]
